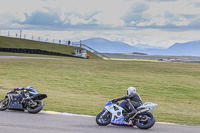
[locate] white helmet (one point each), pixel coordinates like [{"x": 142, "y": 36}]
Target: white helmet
[{"x": 131, "y": 90}]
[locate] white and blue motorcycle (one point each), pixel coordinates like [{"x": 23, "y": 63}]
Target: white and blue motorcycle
[{"x": 114, "y": 113}]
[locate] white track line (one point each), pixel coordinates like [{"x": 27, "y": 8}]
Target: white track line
[{"x": 67, "y": 114}]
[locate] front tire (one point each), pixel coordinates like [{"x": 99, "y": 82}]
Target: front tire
[
  {"x": 103, "y": 121},
  {"x": 37, "y": 108},
  {"x": 147, "y": 121},
  {"x": 4, "y": 104}
]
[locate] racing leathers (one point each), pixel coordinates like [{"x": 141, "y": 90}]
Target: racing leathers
[
  {"x": 135, "y": 101},
  {"x": 31, "y": 91}
]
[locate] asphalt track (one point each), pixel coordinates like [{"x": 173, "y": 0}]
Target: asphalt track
[{"x": 45, "y": 122}]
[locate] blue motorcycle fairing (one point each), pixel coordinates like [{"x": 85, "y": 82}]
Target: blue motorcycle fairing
[
  {"x": 118, "y": 121},
  {"x": 109, "y": 103},
  {"x": 121, "y": 122},
  {"x": 16, "y": 106},
  {"x": 14, "y": 103},
  {"x": 122, "y": 103}
]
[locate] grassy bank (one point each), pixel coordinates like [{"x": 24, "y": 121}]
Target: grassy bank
[
  {"x": 119, "y": 59},
  {"x": 84, "y": 86},
  {"x": 8, "y": 42}
]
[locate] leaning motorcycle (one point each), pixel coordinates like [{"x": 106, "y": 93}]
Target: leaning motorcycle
[
  {"x": 23, "y": 101},
  {"x": 114, "y": 113}
]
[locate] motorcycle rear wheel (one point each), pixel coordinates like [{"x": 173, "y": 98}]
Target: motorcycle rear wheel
[
  {"x": 103, "y": 121},
  {"x": 147, "y": 121},
  {"x": 4, "y": 104},
  {"x": 36, "y": 109}
]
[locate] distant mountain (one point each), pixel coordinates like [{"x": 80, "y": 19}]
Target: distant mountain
[
  {"x": 105, "y": 46},
  {"x": 189, "y": 48}
]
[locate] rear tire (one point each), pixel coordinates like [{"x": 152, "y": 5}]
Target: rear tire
[
  {"x": 38, "y": 107},
  {"x": 103, "y": 121},
  {"x": 4, "y": 106},
  {"x": 148, "y": 123}
]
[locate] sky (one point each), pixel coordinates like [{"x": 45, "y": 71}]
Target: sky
[{"x": 147, "y": 23}]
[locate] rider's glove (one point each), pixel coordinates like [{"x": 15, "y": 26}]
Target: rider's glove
[
  {"x": 16, "y": 89},
  {"x": 114, "y": 100}
]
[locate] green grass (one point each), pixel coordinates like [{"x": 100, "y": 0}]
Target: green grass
[
  {"x": 119, "y": 59},
  {"x": 8, "y": 42},
  {"x": 84, "y": 86}
]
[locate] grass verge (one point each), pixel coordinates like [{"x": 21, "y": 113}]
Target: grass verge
[{"x": 119, "y": 59}]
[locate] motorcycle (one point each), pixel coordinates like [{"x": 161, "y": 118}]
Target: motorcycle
[
  {"x": 23, "y": 101},
  {"x": 114, "y": 113}
]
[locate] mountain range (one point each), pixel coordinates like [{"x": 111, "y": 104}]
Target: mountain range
[{"x": 178, "y": 49}]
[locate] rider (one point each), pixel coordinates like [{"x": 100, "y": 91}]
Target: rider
[
  {"x": 30, "y": 89},
  {"x": 135, "y": 101}
]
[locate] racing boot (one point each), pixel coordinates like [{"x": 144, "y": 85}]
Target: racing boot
[
  {"x": 129, "y": 115},
  {"x": 133, "y": 111}
]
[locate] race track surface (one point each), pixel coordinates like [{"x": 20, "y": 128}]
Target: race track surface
[{"x": 23, "y": 122}]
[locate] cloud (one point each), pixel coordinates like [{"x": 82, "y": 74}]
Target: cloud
[
  {"x": 197, "y": 4},
  {"x": 64, "y": 13},
  {"x": 131, "y": 21},
  {"x": 106, "y": 19},
  {"x": 42, "y": 18},
  {"x": 164, "y": 14},
  {"x": 139, "y": 7},
  {"x": 59, "y": 14},
  {"x": 160, "y": 0}
]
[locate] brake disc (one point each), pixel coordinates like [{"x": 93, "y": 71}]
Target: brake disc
[{"x": 145, "y": 119}]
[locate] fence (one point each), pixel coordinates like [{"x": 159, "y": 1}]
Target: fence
[{"x": 18, "y": 34}]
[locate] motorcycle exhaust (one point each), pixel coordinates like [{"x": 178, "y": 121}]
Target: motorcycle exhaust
[
  {"x": 143, "y": 110},
  {"x": 139, "y": 112}
]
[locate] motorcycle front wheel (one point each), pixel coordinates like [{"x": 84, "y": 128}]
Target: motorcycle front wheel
[
  {"x": 147, "y": 121},
  {"x": 36, "y": 108},
  {"x": 103, "y": 119},
  {"x": 4, "y": 104}
]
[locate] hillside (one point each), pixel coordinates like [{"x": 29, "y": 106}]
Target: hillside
[
  {"x": 188, "y": 48},
  {"x": 105, "y": 46},
  {"x": 8, "y": 42}
]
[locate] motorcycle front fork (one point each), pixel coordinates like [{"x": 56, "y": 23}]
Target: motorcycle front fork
[
  {"x": 5, "y": 101},
  {"x": 104, "y": 114}
]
